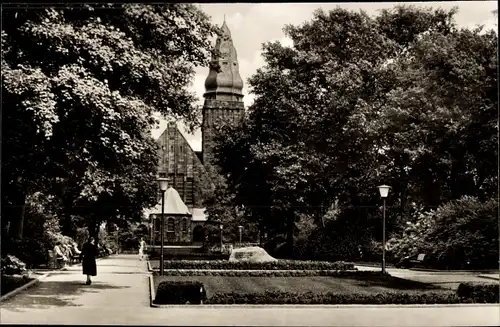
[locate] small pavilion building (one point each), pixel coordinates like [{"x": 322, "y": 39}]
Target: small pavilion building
[{"x": 182, "y": 225}]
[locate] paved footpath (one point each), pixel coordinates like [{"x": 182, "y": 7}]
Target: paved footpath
[{"x": 120, "y": 295}]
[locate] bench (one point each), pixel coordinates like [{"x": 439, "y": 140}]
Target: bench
[
  {"x": 74, "y": 258},
  {"x": 54, "y": 261}
]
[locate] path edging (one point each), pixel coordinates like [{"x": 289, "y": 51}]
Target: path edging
[
  {"x": 24, "y": 287},
  {"x": 489, "y": 277},
  {"x": 152, "y": 295},
  {"x": 152, "y": 292}
]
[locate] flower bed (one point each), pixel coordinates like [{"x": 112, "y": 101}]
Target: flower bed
[
  {"x": 245, "y": 265},
  {"x": 271, "y": 273},
  {"x": 190, "y": 256}
]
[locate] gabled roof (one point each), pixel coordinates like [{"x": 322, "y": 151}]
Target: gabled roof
[
  {"x": 173, "y": 205},
  {"x": 199, "y": 214}
]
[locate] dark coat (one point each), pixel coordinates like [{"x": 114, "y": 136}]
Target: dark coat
[{"x": 89, "y": 253}]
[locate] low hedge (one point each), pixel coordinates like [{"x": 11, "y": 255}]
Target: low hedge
[
  {"x": 478, "y": 292},
  {"x": 191, "y": 257},
  {"x": 272, "y": 273},
  {"x": 333, "y": 298},
  {"x": 246, "y": 265},
  {"x": 169, "y": 295},
  {"x": 184, "y": 292}
]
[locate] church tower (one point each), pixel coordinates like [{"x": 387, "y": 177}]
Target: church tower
[{"x": 223, "y": 92}]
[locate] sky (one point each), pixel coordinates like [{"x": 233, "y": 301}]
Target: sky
[{"x": 253, "y": 24}]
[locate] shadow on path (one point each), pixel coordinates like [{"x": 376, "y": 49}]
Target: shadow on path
[{"x": 51, "y": 294}]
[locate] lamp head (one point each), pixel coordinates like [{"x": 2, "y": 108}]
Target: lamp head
[
  {"x": 384, "y": 190},
  {"x": 163, "y": 184},
  {"x": 221, "y": 226}
]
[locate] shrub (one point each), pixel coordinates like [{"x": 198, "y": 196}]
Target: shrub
[
  {"x": 278, "y": 297},
  {"x": 458, "y": 234},
  {"x": 185, "y": 292},
  {"x": 478, "y": 293},
  {"x": 246, "y": 265},
  {"x": 31, "y": 251},
  {"x": 12, "y": 266}
]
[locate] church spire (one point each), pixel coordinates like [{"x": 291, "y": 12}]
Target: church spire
[{"x": 226, "y": 82}]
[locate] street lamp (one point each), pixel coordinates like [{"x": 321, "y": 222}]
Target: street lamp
[
  {"x": 221, "y": 228},
  {"x": 162, "y": 184},
  {"x": 241, "y": 230},
  {"x": 384, "y": 191}
]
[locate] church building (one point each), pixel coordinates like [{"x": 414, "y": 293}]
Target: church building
[{"x": 184, "y": 167}]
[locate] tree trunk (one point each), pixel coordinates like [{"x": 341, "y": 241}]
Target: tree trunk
[
  {"x": 290, "y": 230},
  {"x": 15, "y": 213},
  {"x": 67, "y": 228}
]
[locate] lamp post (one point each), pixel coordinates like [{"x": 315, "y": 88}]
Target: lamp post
[
  {"x": 117, "y": 239},
  {"x": 241, "y": 230},
  {"x": 152, "y": 241},
  {"x": 221, "y": 228},
  {"x": 384, "y": 191},
  {"x": 163, "y": 184}
]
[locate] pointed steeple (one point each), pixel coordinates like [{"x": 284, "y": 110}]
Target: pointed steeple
[{"x": 227, "y": 82}]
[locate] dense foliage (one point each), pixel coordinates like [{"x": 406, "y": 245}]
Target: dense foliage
[
  {"x": 405, "y": 99},
  {"x": 458, "y": 234},
  {"x": 83, "y": 83}
]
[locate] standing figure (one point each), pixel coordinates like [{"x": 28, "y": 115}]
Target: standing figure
[
  {"x": 88, "y": 255},
  {"x": 142, "y": 247}
]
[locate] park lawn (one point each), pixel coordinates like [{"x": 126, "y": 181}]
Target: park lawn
[{"x": 317, "y": 284}]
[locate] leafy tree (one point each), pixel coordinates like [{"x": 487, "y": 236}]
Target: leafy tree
[
  {"x": 80, "y": 87},
  {"x": 358, "y": 101},
  {"x": 438, "y": 122}
]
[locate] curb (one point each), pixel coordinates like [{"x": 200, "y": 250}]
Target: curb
[
  {"x": 454, "y": 271},
  {"x": 24, "y": 287},
  {"x": 489, "y": 277},
  {"x": 152, "y": 295},
  {"x": 254, "y": 270},
  {"x": 152, "y": 292},
  {"x": 318, "y": 306}
]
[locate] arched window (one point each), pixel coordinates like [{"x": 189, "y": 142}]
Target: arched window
[
  {"x": 170, "y": 224},
  {"x": 184, "y": 225}
]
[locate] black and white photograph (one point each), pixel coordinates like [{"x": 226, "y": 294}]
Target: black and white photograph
[{"x": 250, "y": 164}]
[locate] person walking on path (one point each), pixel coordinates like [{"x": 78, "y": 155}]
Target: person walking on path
[
  {"x": 142, "y": 247},
  {"x": 88, "y": 256}
]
